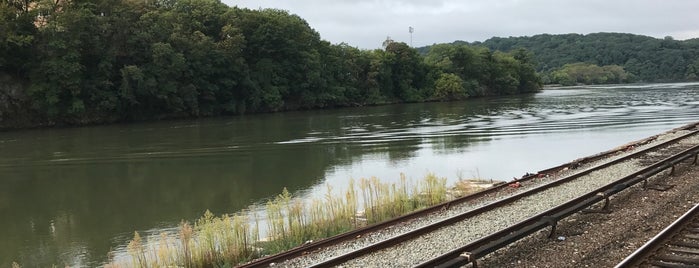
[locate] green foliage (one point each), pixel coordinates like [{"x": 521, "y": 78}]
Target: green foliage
[
  {"x": 648, "y": 59},
  {"x": 693, "y": 70},
  {"x": 585, "y": 73},
  {"x": 449, "y": 87},
  {"x": 105, "y": 61},
  {"x": 229, "y": 240},
  {"x": 484, "y": 72},
  {"x": 16, "y": 35}
]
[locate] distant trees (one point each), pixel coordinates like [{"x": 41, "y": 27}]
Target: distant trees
[
  {"x": 449, "y": 87},
  {"x": 585, "y": 73},
  {"x": 648, "y": 59},
  {"x": 482, "y": 71},
  {"x": 103, "y": 61},
  {"x": 17, "y": 35}
]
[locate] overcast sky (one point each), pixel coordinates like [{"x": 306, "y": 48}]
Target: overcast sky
[{"x": 367, "y": 23}]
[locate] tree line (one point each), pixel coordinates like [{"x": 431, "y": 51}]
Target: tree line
[
  {"x": 589, "y": 74},
  {"x": 82, "y": 62},
  {"x": 644, "y": 58}
]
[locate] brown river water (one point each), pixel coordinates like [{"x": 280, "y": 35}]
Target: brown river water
[{"x": 70, "y": 196}]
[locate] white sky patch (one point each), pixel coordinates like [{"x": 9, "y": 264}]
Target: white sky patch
[{"x": 366, "y": 23}]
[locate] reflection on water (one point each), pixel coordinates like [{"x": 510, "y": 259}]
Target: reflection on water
[{"x": 68, "y": 196}]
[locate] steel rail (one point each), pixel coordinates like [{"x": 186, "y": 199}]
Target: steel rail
[
  {"x": 471, "y": 252},
  {"x": 641, "y": 254},
  {"x": 457, "y": 218},
  {"x": 317, "y": 245},
  {"x": 304, "y": 249}
]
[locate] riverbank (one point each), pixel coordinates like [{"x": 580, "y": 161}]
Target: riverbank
[
  {"x": 390, "y": 204},
  {"x": 231, "y": 61},
  {"x": 62, "y": 187},
  {"x": 17, "y": 111},
  {"x": 230, "y": 240},
  {"x": 15, "y": 116}
]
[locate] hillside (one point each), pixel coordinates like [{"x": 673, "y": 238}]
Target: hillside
[{"x": 648, "y": 59}]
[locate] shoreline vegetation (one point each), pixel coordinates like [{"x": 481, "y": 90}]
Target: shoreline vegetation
[
  {"x": 604, "y": 58},
  {"x": 75, "y": 63},
  {"x": 232, "y": 239},
  {"x": 71, "y": 63}
]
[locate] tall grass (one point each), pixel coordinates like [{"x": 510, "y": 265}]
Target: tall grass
[
  {"x": 383, "y": 201},
  {"x": 233, "y": 239}
]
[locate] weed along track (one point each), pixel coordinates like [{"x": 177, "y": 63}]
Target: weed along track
[{"x": 504, "y": 213}]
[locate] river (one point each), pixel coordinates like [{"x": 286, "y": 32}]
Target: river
[{"x": 69, "y": 196}]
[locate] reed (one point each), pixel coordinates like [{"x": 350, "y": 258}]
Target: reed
[
  {"x": 383, "y": 201},
  {"x": 292, "y": 222},
  {"x": 137, "y": 251},
  {"x": 229, "y": 240},
  {"x": 185, "y": 234}
]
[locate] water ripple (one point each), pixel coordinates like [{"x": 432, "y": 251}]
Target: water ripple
[{"x": 556, "y": 110}]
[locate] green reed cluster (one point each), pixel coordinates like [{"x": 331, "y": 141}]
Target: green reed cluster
[
  {"x": 383, "y": 201},
  {"x": 229, "y": 240}
]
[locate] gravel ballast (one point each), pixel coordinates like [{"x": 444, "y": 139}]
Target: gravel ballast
[
  {"x": 440, "y": 241},
  {"x": 603, "y": 240}
]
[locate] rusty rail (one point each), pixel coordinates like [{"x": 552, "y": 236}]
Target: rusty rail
[
  {"x": 454, "y": 219},
  {"x": 667, "y": 249},
  {"x": 317, "y": 245},
  {"x": 481, "y": 247}
]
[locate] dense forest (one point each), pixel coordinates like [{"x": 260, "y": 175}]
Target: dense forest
[
  {"x": 643, "y": 58},
  {"x": 83, "y": 62}
]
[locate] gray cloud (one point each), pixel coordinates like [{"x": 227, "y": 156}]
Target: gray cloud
[{"x": 366, "y": 23}]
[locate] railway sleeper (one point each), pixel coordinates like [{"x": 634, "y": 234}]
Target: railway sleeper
[
  {"x": 678, "y": 259},
  {"x": 659, "y": 187},
  {"x": 671, "y": 265},
  {"x": 553, "y": 219},
  {"x": 472, "y": 256},
  {"x": 505, "y": 237},
  {"x": 470, "y": 253},
  {"x": 683, "y": 250},
  {"x": 685, "y": 244}
]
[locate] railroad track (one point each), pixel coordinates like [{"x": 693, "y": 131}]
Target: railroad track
[
  {"x": 675, "y": 246},
  {"x": 533, "y": 210}
]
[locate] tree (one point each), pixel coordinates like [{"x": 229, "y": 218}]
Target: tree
[
  {"x": 17, "y": 35},
  {"x": 282, "y": 52},
  {"x": 529, "y": 81},
  {"x": 407, "y": 71},
  {"x": 106, "y": 60},
  {"x": 585, "y": 73},
  {"x": 449, "y": 87},
  {"x": 693, "y": 71},
  {"x": 647, "y": 58}
]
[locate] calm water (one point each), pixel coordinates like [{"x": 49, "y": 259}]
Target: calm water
[{"x": 68, "y": 196}]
